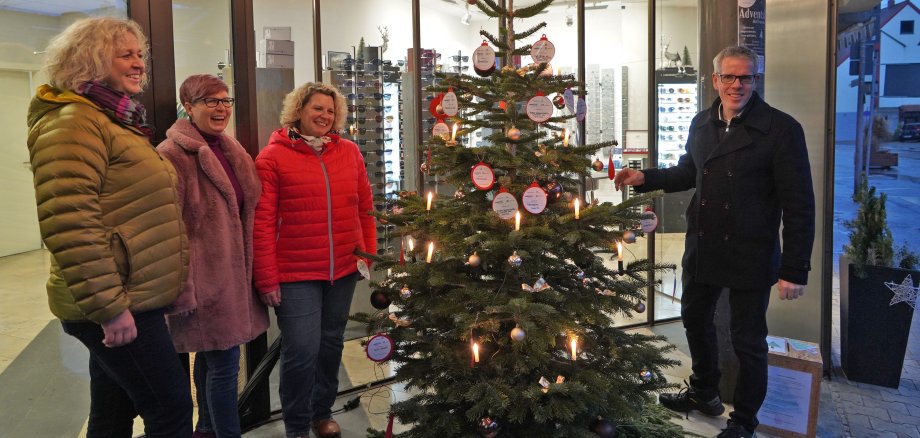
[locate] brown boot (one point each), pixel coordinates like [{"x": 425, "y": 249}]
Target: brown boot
[{"x": 327, "y": 428}]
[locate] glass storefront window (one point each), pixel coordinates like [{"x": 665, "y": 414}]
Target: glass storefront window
[
  {"x": 27, "y": 27},
  {"x": 677, "y": 97}
]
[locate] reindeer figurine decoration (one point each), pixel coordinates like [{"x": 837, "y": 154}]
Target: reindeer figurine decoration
[{"x": 671, "y": 59}]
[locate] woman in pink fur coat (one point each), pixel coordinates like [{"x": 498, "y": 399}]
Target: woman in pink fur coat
[{"x": 218, "y": 309}]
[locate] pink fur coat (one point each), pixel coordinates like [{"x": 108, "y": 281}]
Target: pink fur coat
[{"x": 218, "y": 307}]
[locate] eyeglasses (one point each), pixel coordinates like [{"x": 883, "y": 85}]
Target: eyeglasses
[
  {"x": 211, "y": 102},
  {"x": 457, "y": 58},
  {"x": 730, "y": 79}
]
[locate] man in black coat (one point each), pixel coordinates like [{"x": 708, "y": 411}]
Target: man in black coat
[{"x": 749, "y": 165}]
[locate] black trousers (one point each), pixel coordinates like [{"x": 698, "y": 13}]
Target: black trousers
[{"x": 749, "y": 333}]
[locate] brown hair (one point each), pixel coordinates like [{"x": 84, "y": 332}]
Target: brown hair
[{"x": 196, "y": 87}]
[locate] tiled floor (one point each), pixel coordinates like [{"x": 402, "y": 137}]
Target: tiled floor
[{"x": 45, "y": 390}]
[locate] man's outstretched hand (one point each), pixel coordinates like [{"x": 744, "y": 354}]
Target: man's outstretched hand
[{"x": 628, "y": 177}]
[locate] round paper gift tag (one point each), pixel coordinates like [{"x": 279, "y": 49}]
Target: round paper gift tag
[
  {"x": 542, "y": 50},
  {"x": 534, "y": 199},
  {"x": 483, "y": 176},
  {"x": 449, "y": 103},
  {"x": 649, "y": 221},
  {"x": 484, "y": 60},
  {"x": 441, "y": 129},
  {"x": 505, "y": 204},
  {"x": 539, "y": 108},
  {"x": 379, "y": 348}
]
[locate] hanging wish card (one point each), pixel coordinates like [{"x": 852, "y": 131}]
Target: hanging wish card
[
  {"x": 484, "y": 60},
  {"x": 449, "y": 103},
  {"x": 569, "y": 96},
  {"x": 379, "y": 348},
  {"x": 534, "y": 199},
  {"x": 539, "y": 108},
  {"x": 649, "y": 220},
  {"x": 440, "y": 129},
  {"x": 504, "y": 204},
  {"x": 483, "y": 176},
  {"x": 542, "y": 50},
  {"x": 582, "y": 110}
]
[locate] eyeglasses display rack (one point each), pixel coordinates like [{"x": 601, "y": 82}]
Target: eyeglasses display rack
[
  {"x": 678, "y": 103},
  {"x": 369, "y": 125}
]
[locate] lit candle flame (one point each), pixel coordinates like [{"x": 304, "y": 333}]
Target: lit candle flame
[
  {"x": 430, "y": 198},
  {"x": 565, "y": 137},
  {"x": 620, "y": 251},
  {"x": 411, "y": 243},
  {"x": 574, "y": 348},
  {"x": 453, "y": 134},
  {"x": 517, "y": 221},
  {"x": 476, "y": 352},
  {"x": 577, "y": 208},
  {"x": 430, "y": 252}
]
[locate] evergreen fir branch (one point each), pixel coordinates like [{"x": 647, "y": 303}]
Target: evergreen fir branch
[
  {"x": 532, "y": 10},
  {"x": 491, "y": 8},
  {"x": 494, "y": 40},
  {"x": 527, "y": 33}
]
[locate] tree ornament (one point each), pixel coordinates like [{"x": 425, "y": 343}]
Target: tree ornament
[
  {"x": 487, "y": 427},
  {"x": 538, "y": 286},
  {"x": 515, "y": 260},
  {"x": 548, "y": 71},
  {"x": 903, "y": 293},
  {"x": 542, "y": 50},
  {"x": 513, "y": 133},
  {"x": 579, "y": 274},
  {"x": 559, "y": 101},
  {"x": 440, "y": 129},
  {"x": 629, "y": 236},
  {"x": 569, "y": 97},
  {"x": 449, "y": 104},
  {"x": 484, "y": 60},
  {"x": 534, "y": 198},
  {"x": 380, "y": 300},
  {"x": 539, "y": 108},
  {"x": 459, "y": 194},
  {"x": 553, "y": 191},
  {"x": 379, "y": 348},
  {"x": 474, "y": 260},
  {"x": 581, "y": 110},
  {"x": 518, "y": 334},
  {"x": 604, "y": 428},
  {"x": 424, "y": 167},
  {"x": 483, "y": 176},
  {"x": 649, "y": 221},
  {"x": 504, "y": 204},
  {"x": 597, "y": 165},
  {"x": 503, "y": 105},
  {"x": 611, "y": 169},
  {"x": 645, "y": 374},
  {"x": 639, "y": 307},
  {"x": 405, "y": 293}
]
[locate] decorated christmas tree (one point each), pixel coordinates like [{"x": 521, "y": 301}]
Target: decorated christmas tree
[{"x": 498, "y": 312}]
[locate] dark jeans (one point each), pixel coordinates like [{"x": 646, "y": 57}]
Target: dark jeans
[
  {"x": 312, "y": 318},
  {"x": 216, "y": 374},
  {"x": 749, "y": 333},
  {"x": 144, "y": 377}
]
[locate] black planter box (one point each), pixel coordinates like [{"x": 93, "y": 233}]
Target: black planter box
[{"x": 873, "y": 333}]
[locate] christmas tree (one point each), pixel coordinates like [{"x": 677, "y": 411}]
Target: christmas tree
[{"x": 504, "y": 325}]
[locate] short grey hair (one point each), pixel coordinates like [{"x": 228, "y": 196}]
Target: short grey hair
[{"x": 736, "y": 52}]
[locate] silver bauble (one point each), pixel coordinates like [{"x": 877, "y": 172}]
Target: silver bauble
[
  {"x": 515, "y": 260},
  {"x": 518, "y": 334},
  {"x": 405, "y": 292},
  {"x": 629, "y": 236}
]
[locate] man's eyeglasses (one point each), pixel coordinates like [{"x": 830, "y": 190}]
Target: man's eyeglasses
[
  {"x": 730, "y": 79},
  {"x": 211, "y": 102}
]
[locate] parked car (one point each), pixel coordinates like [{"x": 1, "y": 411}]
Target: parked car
[{"x": 910, "y": 131}]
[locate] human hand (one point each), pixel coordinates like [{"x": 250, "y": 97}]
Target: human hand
[
  {"x": 119, "y": 330},
  {"x": 628, "y": 177},
  {"x": 790, "y": 291},
  {"x": 271, "y": 299}
]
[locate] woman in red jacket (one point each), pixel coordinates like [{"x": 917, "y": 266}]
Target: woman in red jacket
[{"x": 314, "y": 213}]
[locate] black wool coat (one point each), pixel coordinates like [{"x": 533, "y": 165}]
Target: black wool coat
[{"x": 755, "y": 177}]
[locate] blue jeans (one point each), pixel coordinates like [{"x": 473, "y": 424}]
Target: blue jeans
[
  {"x": 312, "y": 318},
  {"x": 216, "y": 374},
  {"x": 144, "y": 377}
]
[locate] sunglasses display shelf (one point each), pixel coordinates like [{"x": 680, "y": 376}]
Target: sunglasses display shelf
[
  {"x": 678, "y": 103},
  {"x": 370, "y": 124}
]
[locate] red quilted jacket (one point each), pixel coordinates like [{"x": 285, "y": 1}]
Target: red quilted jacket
[{"x": 314, "y": 212}]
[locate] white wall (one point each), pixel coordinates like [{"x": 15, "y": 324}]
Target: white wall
[
  {"x": 298, "y": 15},
  {"x": 894, "y": 53}
]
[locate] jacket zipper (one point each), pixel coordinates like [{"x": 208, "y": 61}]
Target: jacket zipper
[{"x": 322, "y": 166}]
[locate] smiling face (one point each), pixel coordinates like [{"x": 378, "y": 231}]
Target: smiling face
[
  {"x": 734, "y": 95},
  {"x": 317, "y": 115},
  {"x": 211, "y": 121},
  {"x": 127, "y": 70}
]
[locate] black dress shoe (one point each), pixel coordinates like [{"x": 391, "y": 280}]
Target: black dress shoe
[{"x": 735, "y": 430}]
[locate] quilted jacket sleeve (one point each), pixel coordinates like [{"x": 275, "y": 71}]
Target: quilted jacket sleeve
[
  {"x": 69, "y": 157},
  {"x": 265, "y": 227},
  {"x": 366, "y": 207}
]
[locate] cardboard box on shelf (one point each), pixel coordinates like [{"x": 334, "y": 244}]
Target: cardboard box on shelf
[
  {"x": 276, "y": 47},
  {"x": 278, "y": 61},
  {"x": 276, "y": 33}
]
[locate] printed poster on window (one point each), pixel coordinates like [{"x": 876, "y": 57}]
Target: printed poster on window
[{"x": 752, "y": 19}]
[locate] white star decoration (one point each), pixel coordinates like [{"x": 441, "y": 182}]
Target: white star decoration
[{"x": 904, "y": 292}]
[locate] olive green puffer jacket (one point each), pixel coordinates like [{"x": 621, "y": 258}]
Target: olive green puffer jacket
[{"x": 106, "y": 209}]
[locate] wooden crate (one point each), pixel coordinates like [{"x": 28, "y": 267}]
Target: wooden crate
[{"x": 793, "y": 392}]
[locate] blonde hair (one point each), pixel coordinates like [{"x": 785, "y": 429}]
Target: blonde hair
[
  {"x": 295, "y": 100},
  {"x": 84, "y": 51}
]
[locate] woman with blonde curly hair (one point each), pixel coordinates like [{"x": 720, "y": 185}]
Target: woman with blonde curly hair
[
  {"x": 314, "y": 213},
  {"x": 108, "y": 214}
]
